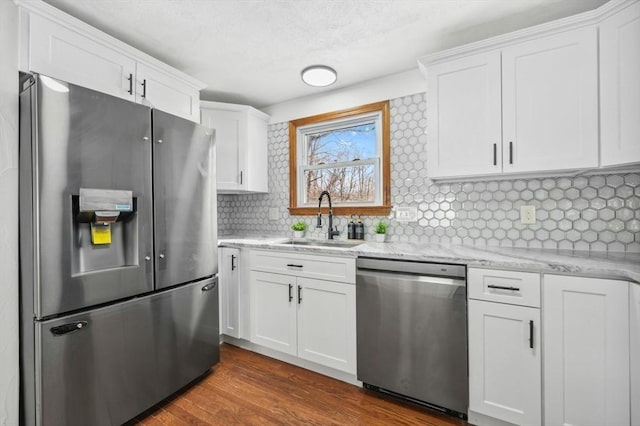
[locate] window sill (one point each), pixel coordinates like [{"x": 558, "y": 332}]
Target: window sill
[{"x": 342, "y": 211}]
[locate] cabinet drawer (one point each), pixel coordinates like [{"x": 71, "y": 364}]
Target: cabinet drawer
[
  {"x": 513, "y": 287},
  {"x": 330, "y": 268}
]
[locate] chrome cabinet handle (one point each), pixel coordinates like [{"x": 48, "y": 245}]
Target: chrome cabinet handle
[
  {"x": 161, "y": 256},
  {"x": 147, "y": 258}
]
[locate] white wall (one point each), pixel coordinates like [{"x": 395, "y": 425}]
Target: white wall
[
  {"x": 9, "y": 375},
  {"x": 381, "y": 89}
]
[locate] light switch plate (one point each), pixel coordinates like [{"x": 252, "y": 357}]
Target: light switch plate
[
  {"x": 407, "y": 214},
  {"x": 527, "y": 215},
  {"x": 273, "y": 213}
]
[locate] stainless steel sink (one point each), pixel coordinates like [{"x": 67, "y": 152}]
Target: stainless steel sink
[{"x": 323, "y": 243}]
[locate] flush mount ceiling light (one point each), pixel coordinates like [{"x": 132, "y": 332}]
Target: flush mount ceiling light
[{"x": 319, "y": 75}]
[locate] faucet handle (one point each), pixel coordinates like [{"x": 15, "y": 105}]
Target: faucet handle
[
  {"x": 334, "y": 231},
  {"x": 319, "y": 224}
]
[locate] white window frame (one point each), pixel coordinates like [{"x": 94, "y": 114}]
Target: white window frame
[{"x": 338, "y": 124}]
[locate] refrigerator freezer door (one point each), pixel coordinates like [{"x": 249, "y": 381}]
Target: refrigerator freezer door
[
  {"x": 104, "y": 367},
  {"x": 184, "y": 200},
  {"x": 80, "y": 138}
]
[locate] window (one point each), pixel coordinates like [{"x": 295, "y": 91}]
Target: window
[{"x": 346, "y": 153}]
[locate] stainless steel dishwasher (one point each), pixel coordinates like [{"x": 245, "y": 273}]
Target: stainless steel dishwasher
[{"x": 412, "y": 331}]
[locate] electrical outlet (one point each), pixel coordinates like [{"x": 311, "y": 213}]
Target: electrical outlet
[
  {"x": 273, "y": 213},
  {"x": 527, "y": 215},
  {"x": 407, "y": 214}
]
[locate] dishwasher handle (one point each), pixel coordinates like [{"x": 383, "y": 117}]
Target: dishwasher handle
[
  {"x": 412, "y": 267},
  {"x": 426, "y": 279}
]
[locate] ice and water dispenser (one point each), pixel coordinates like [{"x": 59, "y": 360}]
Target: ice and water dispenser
[{"x": 105, "y": 230}]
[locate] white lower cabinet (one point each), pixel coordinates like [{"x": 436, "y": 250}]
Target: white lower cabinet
[
  {"x": 309, "y": 318},
  {"x": 327, "y": 323},
  {"x": 229, "y": 278},
  {"x": 504, "y": 362},
  {"x": 504, "y": 347},
  {"x": 586, "y": 351},
  {"x": 273, "y": 311}
]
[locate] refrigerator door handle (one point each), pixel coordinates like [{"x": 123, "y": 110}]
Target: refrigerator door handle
[
  {"x": 69, "y": 328},
  {"x": 209, "y": 286}
]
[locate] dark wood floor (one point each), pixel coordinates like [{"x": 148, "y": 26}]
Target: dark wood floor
[{"x": 250, "y": 389}]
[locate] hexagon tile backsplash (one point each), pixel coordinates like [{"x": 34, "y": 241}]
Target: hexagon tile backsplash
[{"x": 595, "y": 212}]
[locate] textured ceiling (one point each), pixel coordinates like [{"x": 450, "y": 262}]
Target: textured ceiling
[{"x": 252, "y": 51}]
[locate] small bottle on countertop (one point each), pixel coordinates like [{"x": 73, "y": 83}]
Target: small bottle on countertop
[
  {"x": 359, "y": 230},
  {"x": 351, "y": 230}
]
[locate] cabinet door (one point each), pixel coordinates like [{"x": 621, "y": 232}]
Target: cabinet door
[
  {"x": 620, "y": 87},
  {"x": 463, "y": 117},
  {"x": 586, "y": 351},
  {"x": 327, "y": 323},
  {"x": 229, "y": 286},
  {"x": 550, "y": 103},
  {"x": 504, "y": 368},
  {"x": 256, "y": 166},
  {"x": 160, "y": 90},
  {"x": 229, "y": 127},
  {"x": 61, "y": 53},
  {"x": 634, "y": 313},
  {"x": 273, "y": 311}
]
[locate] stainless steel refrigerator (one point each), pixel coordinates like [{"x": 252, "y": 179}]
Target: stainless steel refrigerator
[{"x": 119, "y": 295}]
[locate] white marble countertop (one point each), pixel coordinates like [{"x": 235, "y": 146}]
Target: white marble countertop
[{"x": 624, "y": 266}]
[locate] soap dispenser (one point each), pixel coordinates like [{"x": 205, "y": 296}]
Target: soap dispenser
[
  {"x": 351, "y": 229},
  {"x": 359, "y": 229}
]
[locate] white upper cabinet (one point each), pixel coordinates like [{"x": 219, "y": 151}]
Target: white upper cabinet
[
  {"x": 550, "y": 103},
  {"x": 620, "y": 87},
  {"x": 160, "y": 90},
  {"x": 241, "y": 144},
  {"x": 60, "y": 46},
  {"x": 464, "y": 111},
  {"x": 523, "y": 107},
  {"x": 557, "y": 97},
  {"x": 64, "y": 54}
]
